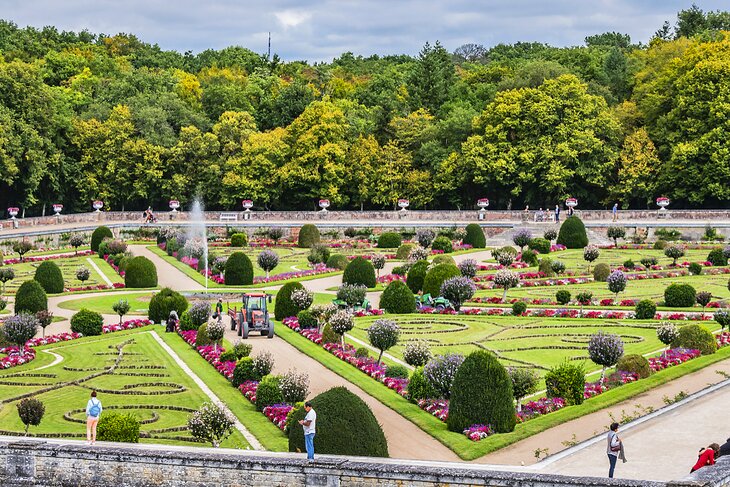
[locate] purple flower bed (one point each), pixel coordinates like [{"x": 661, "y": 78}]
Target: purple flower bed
[{"x": 478, "y": 432}]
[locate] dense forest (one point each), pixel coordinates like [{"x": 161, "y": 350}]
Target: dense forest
[{"x": 88, "y": 116}]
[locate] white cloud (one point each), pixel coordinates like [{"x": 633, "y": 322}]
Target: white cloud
[{"x": 292, "y": 18}]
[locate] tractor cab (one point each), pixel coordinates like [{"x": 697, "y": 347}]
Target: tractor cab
[{"x": 252, "y": 316}]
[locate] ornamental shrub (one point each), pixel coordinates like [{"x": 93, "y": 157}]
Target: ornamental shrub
[
  {"x": 419, "y": 387},
  {"x": 667, "y": 332},
  {"x": 468, "y": 268},
  {"x": 557, "y": 266},
  {"x": 337, "y": 261},
  {"x": 648, "y": 262},
  {"x": 238, "y": 270},
  {"x": 443, "y": 259},
  {"x": 717, "y": 257},
  {"x": 30, "y": 411},
  {"x": 341, "y": 322},
  {"x": 389, "y": 240},
  {"x": 294, "y": 386},
  {"x": 505, "y": 279},
  {"x": 345, "y": 426},
  {"x": 629, "y": 264},
  {"x": 616, "y": 282},
  {"x": 703, "y": 298},
  {"x": 481, "y": 394},
  {"x": 302, "y": 298},
  {"x": 616, "y": 233},
  {"x": 165, "y": 301},
  {"x": 268, "y": 392},
  {"x": 397, "y": 371},
  {"x": 308, "y": 236},
  {"x": 397, "y": 298},
  {"x": 307, "y": 320},
  {"x": 542, "y": 245},
  {"x": 244, "y": 371},
  {"x": 519, "y": 308},
  {"x": 524, "y": 383},
  {"x": 6, "y": 274},
  {"x": 572, "y": 233},
  {"x": 529, "y": 257},
  {"x": 378, "y": 261},
  {"x": 660, "y": 244},
  {"x": 605, "y": 349},
  {"x": 504, "y": 255},
  {"x": 362, "y": 352},
  {"x": 442, "y": 243},
  {"x": 645, "y": 309},
  {"x": 318, "y": 254},
  {"x": 99, "y": 234},
  {"x": 522, "y": 238},
  {"x": 275, "y": 233},
  {"x": 76, "y": 241},
  {"x": 49, "y": 276},
  {"x": 202, "y": 339},
  {"x": 458, "y": 290},
  {"x": 242, "y": 349},
  {"x": 228, "y": 356},
  {"x": 424, "y": 237},
  {"x": 418, "y": 253},
  {"x": 359, "y": 271},
  {"x": 562, "y": 296},
  {"x": 284, "y": 306},
  {"x": 329, "y": 335},
  {"x": 695, "y": 269},
  {"x": 546, "y": 267},
  {"x": 404, "y": 251},
  {"x": 680, "y": 296},
  {"x": 186, "y": 324},
  {"x": 634, "y": 363},
  {"x": 239, "y": 240},
  {"x": 695, "y": 337},
  {"x": 440, "y": 372},
  {"x": 83, "y": 273},
  {"x": 19, "y": 328},
  {"x": 267, "y": 261},
  {"x": 30, "y": 297},
  {"x": 199, "y": 313},
  {"x": 383, "y": 334},
  {"x": 87, "y": 322},
  {"x": 121, "y": 308},
  {"x": 141, "y": 272},
  {"x": 475, "y": 236},
  {"x": 550, "y": 234},
  {"x": 416, "y": 276},
  {"x": 674, "y": 252},
  {"x": 601, "y": 272},
  {"x": 211, "y": 423},
  {"x": 436, "y": 277},
  {"x": 416, "y": 353},
  {"x": 118, "y": 427},
  {"x": 566, "y": 380},
  {"x": 352, "y": 294},
  {"x": 590, "y": 253}
]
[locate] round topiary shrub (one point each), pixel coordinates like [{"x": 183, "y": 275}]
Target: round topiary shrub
[
  {"x": 238, "y": 270},
  {"x": 87, "y": 322},
  {"x": 416, "y": 275},
  {"x": 329, "y": 335},
  {"x": 239, "y": 240},
  {"x": 244, "y": 371},
  {"x": 165, "y": 301},
  {"x": 268, "y": 392},
  {"x": 398, "y": 299},
  {"x": 695, "y": 337},
  {"x": 645, "y": 309},
  {"x": 318, "y": 254},
  {"x": 546, "y": 267},
  {"x": 601, "y": 272},
  {"x": 573, "y": 233},
  {"x": 717, "y": 257},
  {"x": 30, "y": 297},
  {"x": 481, "y": 394},
  {"x": 308, "y": 236},
  {"x": 337, "y": 261},
  {"x": 695, "y": 268},
  {"x": 141, "y": 272},
  {"x": 307, "y": 320},
  {"x": 389, "y": 240},
  {"x": 680, "y": 296},
  {"x": 359, "y": 271},
  {"x": 49, "y": 276},
  {"x": 99, "y": 234},
  {"x": 202, "y": 339},
  {"x": 475, "y": 236},
  {"x": 443, "y": 259},
  {"x": 345, "y": 426},
  {"x": 566, "y": 380},
  {"x": 542, "y": 245},
  {"x": 404, "y": 251},
  {"x": 562, "y": 296},
  {"x": 284, "y": 305},
  {"x": 458, "y": 290},
  {"x": 442, "y": 243},
  {"x": 118, "y": 427},
  {"x": 634, "y": 363},
  {"x": 436, "y": 277},
  {"x": 419, "y": 387},
  {"x": 519, "y": 308}
]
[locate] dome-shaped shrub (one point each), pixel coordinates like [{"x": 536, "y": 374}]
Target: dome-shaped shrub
[
  {"x": 634, "y": 363},
  {"x": 202, "y": 339},
  {"x": 30, "y": 297},
  {"x": 443, "y": 244},
  {"x": 49, "y": 276},
  {"x": 443, "y": 259},
  {"x": 337, "y": 261},
  {"x": 239, "y": 240},
  {"x": 165, "y": 301},
  {"x": 268, "y": 392},
  {"x": 601, "y": 272},
  {"x": 238, "y": 270},
  {"x": 645, "y": 309},
  {"x": 416, "y": 275},
  {"x": 99, "y": 234},
  {"x": 308, "y": 236},
  {"x": 540, "y": 244},
  {"x": 359, "y": 271},
  {"x": 436, "y": 277},
  {"x": 141, "y": 272},
  {"x": 284, "y": 305},
  {"x": 397, "y": 298},
  {"x": 481, "y": 394},
  {"x": 345, "y": 426},
  {"x": 419, "y": 387},
  {"x": 680, "y": 296},
  {"x": 87, "y": 322},
  {"x": 389, "y": 240},
  {"x": 404, "y": 251},
  {"x": 573, "y": 233},
  {"x": 697, "y": 337},
  {"x": 475, "y": 236},
  {"x": 717, "y": 257}
]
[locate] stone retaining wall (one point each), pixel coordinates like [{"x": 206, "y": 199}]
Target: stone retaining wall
[{"x": 59, "y": 463}]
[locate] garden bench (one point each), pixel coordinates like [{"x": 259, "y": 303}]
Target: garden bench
[{"x": 229, "y": 217}]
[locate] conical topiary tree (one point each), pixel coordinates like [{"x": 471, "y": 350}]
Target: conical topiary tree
[
  {"x": 572, "y": 233},
  {"x": 481, "y": 394},
  {"x": 238, "y": 270},
  {"x": 50, "y": 277},
  {"x": 475, "y": 236},
  {"x": 284, "y": 305},
  {"x": 99, "y": 234}
]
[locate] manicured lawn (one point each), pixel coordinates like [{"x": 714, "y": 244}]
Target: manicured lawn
[
  {"x": 26, "y": 270},
  {"x": 138, "y": 302}
]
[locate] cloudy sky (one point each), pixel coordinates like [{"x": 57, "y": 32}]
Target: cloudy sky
[{"x": 319, "y": 30}]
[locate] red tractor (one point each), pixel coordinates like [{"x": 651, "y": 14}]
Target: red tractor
[{"x": 253, "y": 315}]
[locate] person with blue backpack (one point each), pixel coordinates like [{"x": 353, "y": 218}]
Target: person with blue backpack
[{"x": 93, "y": 413}]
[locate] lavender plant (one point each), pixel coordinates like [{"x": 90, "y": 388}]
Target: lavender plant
[
  {"x": 383, "y": 334},
  {"x": 605, "y": 349},
  {"x": 440, "y": 372},
  {"x": 506, "y": 279},
  {"x": 267, "y": 261},
  {"x": 468, "y": 268},
  {"x": 458, "y": 290}
]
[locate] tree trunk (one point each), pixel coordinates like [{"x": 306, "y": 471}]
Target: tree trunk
[
  {"x": 504, "y": 294},
  {"x": 380, "y": 357},
  {"x": 519, "y": 405}
]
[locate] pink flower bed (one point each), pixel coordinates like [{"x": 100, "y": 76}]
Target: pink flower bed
[
  {"x": 388, "y": 278},
  {"x": 723, "y": 339},
  {"x": 41, "y": 258},
  {"x": 671, "y": 357},
  {"x": 15, "y": 357},
  {"x": 277, "y": 414},
  {"x": 127, "y": 325},
  {"x": 540, "y": 407},
  {"x": 478, "y": 432},
  {"x": 317, "y": 270}
]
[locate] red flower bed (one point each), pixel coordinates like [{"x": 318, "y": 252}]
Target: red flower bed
[
  {"x": 671, "y": 357},
  {"x": 41, "y": 258}
]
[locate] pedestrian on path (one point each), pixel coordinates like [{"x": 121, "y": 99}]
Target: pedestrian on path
[
  {"x": 557, "y": 214},
  {"x": 614, "y": 449},
  {"x": 93, "y": 413},
  {"x": 706, "y": 457},
  {"x": 615, "y": 211},
  {"x": 218, "y": 310},
  {"x": 309, "y": 423}
]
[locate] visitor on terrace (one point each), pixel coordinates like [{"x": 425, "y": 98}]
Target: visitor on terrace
[
  {"x": 93, "y": 413},
  {"x": 724, "y": 449},
  {"x": 706, "y": 457}
]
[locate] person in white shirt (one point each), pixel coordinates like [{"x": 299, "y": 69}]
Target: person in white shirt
[
  {"x": 309, "y": 423},
  {"x": 93, "y": 413}
]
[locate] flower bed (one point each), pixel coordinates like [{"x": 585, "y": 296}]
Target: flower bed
[
  {"x": 278, "y": 413},
  {"x": 41, "y": 258},
  {"x": 98, "y": 287},
  {"x": 388, "y": 278},
  {"x": 478, "y": 432},
  {"x": 540, "y": 407},
  {"x": 671, "y": 357}
]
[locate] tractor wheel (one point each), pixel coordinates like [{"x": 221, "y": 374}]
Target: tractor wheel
[
  {"x": 440, "y": 307},
  {"x": 233, "y": 324},
  {"x": 244, "y": 328},
  {"x": 271, "y": 330},
  {"x": 239, "y": 324}
]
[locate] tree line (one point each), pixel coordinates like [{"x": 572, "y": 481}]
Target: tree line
[{"x": 88, "y": 116}]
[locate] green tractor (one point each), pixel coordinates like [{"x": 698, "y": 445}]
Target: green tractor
[
  {"x": 426, "y": 301},
  {"x": 364, "y": 306},
  {"x": 253, "y": 315}
]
